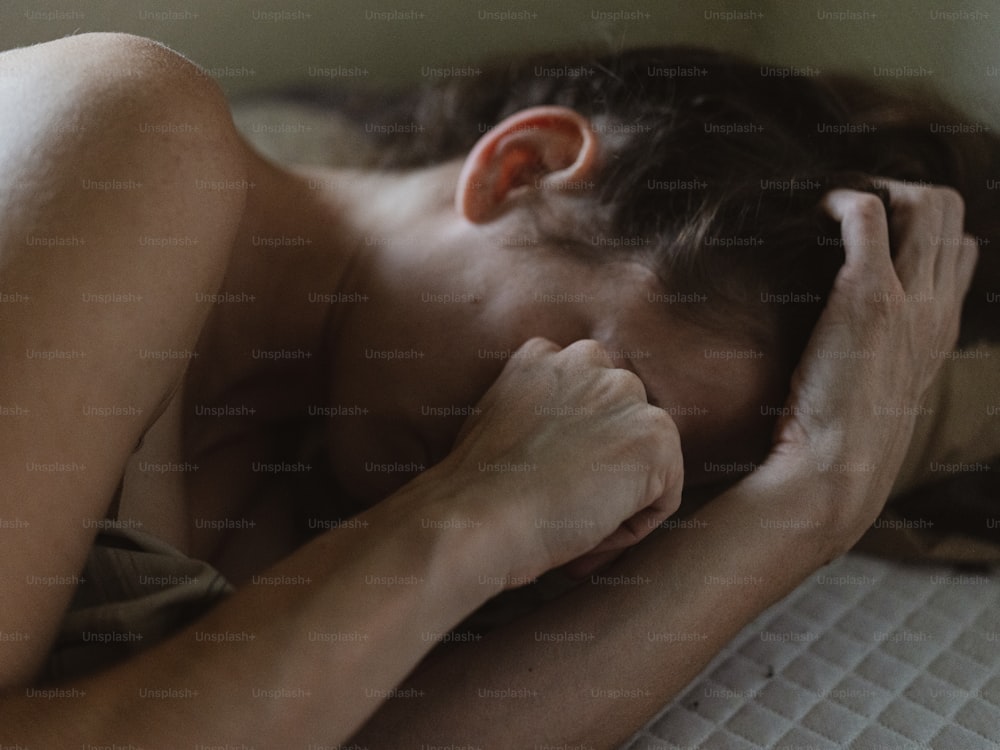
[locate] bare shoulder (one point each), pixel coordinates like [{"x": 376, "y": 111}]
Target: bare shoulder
[{"x": 122, "y": 187}]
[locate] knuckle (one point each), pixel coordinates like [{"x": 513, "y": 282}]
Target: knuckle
[
  {"x": 665, "y": 424},
  {"x": 536, "y": 345},
  {"x": 868, "y": 208},
  {"x": 671, "y": 502},
  {"x": 620, "y": 386},
  {"x": 627, "y": 378},
  {"x": 633, "y": 383},
  {"x": 939, "y": 200},
  {"x": 949, "y": 197},
  {"x": 662, "y": 427},
  {"x": 587, "y": 349}
]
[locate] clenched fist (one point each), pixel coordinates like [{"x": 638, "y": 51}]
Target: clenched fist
[{"x": 569, "y": 457}]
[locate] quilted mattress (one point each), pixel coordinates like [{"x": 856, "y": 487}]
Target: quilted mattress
[{"x": 867, "y": 655}]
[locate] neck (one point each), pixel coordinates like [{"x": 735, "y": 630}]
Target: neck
[
  {"x": 268, "y": 325},
  {"x": 411, "y": 354},
  {"x": 335, "y": 302}
]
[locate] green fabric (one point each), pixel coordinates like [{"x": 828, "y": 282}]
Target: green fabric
[{"x": 134, "y": 591}]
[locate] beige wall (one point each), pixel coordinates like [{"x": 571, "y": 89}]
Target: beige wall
[
  {"x": 248, "y": 48},
  {"x": 953, "y": 47},
  {"x": 241, "y": 35}
]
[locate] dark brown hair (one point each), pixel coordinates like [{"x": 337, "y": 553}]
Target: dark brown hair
[{"x": 719, "y": 164}]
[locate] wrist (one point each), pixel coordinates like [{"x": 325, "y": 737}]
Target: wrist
[
  {"x": 845, "y": 477},
  {"x": 459, "y": 524},
  {"x": 816, "y": 509}
]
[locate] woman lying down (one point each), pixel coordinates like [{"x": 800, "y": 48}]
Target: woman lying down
[{"x": 572, "y": 299}]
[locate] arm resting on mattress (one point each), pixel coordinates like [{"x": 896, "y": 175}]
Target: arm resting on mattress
[{"x": 592, "y": 666}]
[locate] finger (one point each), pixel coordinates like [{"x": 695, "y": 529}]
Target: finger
[
  {"x": 966, "y": 260},
  {"x": 915, "y": 221},
  {"x": 865, "y": 230},
  {"x": 965, "y": 264},
  {"x": 957, "y": 271},
  {"x": 635, "y": 529},
  {"x": 624, "y": 381},
  {"x": 535, "y": 347},
  {"x": 952, "y": 237},
  {"x": 590, "y": 351},
  {"x": 953, "y": 286},
  {"x": 586, "y": 565},
  {"x": 621, "y": 538}
]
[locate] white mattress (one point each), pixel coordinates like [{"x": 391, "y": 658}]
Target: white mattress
[{"x": 867, "y": 655}]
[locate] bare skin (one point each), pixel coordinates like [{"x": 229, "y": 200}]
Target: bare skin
[{"x": 462, "y": 533}]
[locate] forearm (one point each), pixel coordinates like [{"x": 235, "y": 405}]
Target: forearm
[
  {"x": 592, "y": 666},
  {"x": 301, "y": 656}
]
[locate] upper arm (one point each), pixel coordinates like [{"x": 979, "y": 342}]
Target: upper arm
[{"x": 121, "y": 189}]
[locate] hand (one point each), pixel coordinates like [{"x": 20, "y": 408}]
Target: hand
[
  {"x": 877, "y": 346},
  {"x": 570, "y": 456}
]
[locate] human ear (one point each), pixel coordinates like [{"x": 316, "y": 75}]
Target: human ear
[{"x": 538, "y": 148}]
